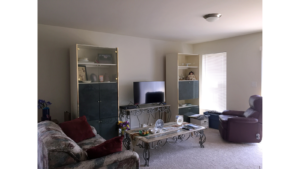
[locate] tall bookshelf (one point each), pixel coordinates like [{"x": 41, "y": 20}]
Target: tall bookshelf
[
  {"x": 94, "y": 87},
  {"x": 178, "y": 91}
]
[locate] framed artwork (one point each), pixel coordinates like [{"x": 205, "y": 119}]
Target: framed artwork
[
  {"x": 104, "y": 58},
  {"x": 82, "y": 74}
]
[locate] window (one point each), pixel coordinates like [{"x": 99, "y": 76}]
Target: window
[{"x": 213, "y": 93}]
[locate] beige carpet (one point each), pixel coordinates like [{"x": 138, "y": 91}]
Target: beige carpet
[{"x": 217, "y": 154}]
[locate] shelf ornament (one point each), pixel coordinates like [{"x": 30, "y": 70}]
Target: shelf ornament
[{"x": 191, "y": 76}]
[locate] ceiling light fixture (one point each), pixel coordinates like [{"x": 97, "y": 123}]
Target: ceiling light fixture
[{"x": 212, "y": 17}]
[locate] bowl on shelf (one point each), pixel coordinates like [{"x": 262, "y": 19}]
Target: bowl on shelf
[
  {"x": 84, "y": 61},
  {"x": 86, "y": 81}
]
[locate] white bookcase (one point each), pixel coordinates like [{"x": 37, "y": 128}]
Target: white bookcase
[
  {"x": 94, "y": 87},
  {"x": 180, "y": 92}
]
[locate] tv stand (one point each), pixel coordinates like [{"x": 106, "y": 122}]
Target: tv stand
[{"x": 161, "y": 109}]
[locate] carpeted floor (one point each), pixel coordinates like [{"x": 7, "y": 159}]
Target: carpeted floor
[{"x": 217, "y": 154}]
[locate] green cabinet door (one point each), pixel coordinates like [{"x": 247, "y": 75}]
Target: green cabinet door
[
  {"x": 99, "y": 103},
  {"x": 108, "y": 127},
  {"x": 182, "y": 111},
  {"x": 89, "y": 101},
  {"x": 108, "y": 100},
  {"x": 96, "y": 124},
  {"x": 188, "y": 111},
  {"x": 188, "y": 90}
]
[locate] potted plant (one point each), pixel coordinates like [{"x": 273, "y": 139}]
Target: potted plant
[
  {"x": 123, "y": 126},
  {"x": 42, "y": 104}
]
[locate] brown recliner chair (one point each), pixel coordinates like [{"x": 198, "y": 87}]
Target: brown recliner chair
[{"x": 243, "y": 126}]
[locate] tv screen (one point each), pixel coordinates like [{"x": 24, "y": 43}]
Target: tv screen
[{"x": 149, "y": 92}]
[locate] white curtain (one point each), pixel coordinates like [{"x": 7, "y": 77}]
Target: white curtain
[{"x": 213, "y": 93}]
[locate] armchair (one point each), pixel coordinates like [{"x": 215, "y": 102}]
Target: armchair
[{"x": 243, "y": 126}]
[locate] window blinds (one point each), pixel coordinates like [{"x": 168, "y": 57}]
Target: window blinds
[{"x": 213, "y": 93}]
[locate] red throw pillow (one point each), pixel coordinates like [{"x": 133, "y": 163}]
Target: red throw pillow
[
  {"x": 77, "y": 129},
  {"x": 108, "y": 147}
]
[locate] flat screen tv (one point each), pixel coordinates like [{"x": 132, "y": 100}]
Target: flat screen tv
[{"x": 149, "y": 92}]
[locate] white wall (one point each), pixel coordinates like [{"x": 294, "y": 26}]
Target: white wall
[
  {"x": 140, "y": 59},
  {"x": 243, "y": 66}
]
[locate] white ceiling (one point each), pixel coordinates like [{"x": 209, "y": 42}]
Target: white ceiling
[{"x": 171, "y": 20}]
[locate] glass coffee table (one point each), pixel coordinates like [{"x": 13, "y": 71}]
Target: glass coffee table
[{"x": 169, "y": 134}]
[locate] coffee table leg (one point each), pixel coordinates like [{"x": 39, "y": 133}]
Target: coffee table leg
[
  {"x": 126, "y": 141},
  {"x": 202, "y": 138},
  {"x": 146, "y": 153}
]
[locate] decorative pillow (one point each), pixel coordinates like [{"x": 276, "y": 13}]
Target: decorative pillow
[
  {"x": 108, "y": 147},
  {"x": 77, "y": 129}
]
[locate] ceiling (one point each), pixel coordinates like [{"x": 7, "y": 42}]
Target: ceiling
[{"x": 170, "y": 20}]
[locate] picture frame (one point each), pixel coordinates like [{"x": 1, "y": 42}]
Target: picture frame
[
  {"x": 82, "y": 73},
  {"x": 104, "y": 58}
]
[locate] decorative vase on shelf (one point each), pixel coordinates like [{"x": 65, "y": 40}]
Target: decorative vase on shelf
[
  {"x": 93, "y": 77},
  {"x": 106, "y": 78},
  {"x": 46, "y": 114}
]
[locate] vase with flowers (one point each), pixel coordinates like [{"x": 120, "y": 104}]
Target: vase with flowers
[
  {"x": 42, "y": 104},
  {"x": 123, "y": 126}
]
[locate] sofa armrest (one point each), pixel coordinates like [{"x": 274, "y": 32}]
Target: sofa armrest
[
  {"x": 42, "y": 154},
  {"x": 233, "y": 113},
  {"x": 125, "y": 159},
  {"x": 244, "y": 130},
  {"x": 242, "y": 120}
]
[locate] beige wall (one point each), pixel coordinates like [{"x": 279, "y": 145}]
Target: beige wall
[
  {"x": 140, "y": 59},
  {"x": 243, "y": 66}
]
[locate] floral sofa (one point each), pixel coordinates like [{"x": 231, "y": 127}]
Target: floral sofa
[{"x": 57, "y": 150}]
